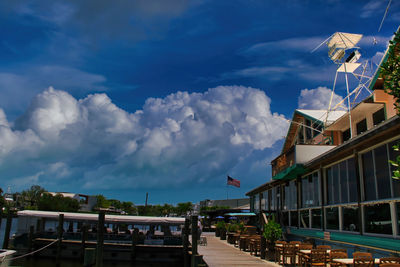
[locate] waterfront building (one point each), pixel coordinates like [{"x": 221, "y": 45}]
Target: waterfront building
[{"x": 333, "y": 180}]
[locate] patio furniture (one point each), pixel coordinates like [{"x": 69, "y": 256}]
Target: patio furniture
[
  {"x": 389, "y": 260},
  {"x": 389, "y": 265},
  {"x": 254, "y": 245},
  {"x": 363, "y": 259},
  {"x": 326, "y": 247},
  {"x": 303, "y": 257},
  {"x": 318, "y": 257},
  {"x": 289, "y": 252},
  {"x": 295, "y": 242},
  {"x": 279, "y": 250},
  {"x": 337, "y": 255}
]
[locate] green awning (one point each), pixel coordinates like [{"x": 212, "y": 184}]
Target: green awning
[
  {"x": 237, "y": 214},
  {"x": 290, "y": 172}
]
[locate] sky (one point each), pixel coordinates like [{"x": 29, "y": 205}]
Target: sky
[{"x": 166, "y": 97}]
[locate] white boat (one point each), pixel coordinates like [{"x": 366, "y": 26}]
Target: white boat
[{"x": 4, "y": 254}]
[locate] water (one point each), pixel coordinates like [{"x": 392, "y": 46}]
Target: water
[{"x": 3, "y": 229}]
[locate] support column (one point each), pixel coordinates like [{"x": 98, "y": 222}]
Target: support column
[
  {"x": 185, "y": 243},
  {"x": 8, "y": 228},
  {"x": 194, "y": 240},
  {"x": 100, "y": 239},
  {"x": 60, "y": 230},
  {"x": 359, "y": 189}
]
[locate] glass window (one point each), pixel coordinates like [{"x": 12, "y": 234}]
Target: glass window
[
  {"x": 316, "y": 190},
  {"x": 352, "y": 178},
  {"x": 304, "y": 219},
  {"x": 332, "y": 218},
  {"x": 350, "y": 219},
  {"x": 368, "y": 176},
  {"x": 308, "y": 129},
  {"x": 273, "y": 198},
  {"x": 265, "y": 200},
  {"x": 304, "y": 192},
  {"x": 361, "y": 126},
  {"x": 256, "y": 203},
  {"x": 316, "y": 218},
  {"x": 377, "y": 219},
  {"x": 292, "y": 195},
  {"x": 378, "y": 116},
  {"x": 398, "y": 217},
  {"x": 344, "y": 193},
  {"x": 393, "y": 155},
  {"x": 285, "y": 218},
  {"x": 346, "y": 135},
  {"x": 300, "y": 136},
  {"x": 382, "y": 172},
  {"x": 252, "y": 203},
  {"x": 294, "y": 218}
]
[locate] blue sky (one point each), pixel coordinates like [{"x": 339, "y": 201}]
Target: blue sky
[{"x": 165, "y": 97}]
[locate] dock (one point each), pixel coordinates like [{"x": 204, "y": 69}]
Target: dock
[{"x": 218, "y": 253}]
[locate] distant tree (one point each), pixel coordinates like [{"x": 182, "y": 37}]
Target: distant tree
[
  {"x": 2, "y": 200},
  {"x": 203, "y": 210},
  {"x": 102, "y": 202},
  {"x": 58, "y": 203},
  {"x": 129, "y": 208},
  {"x": 184, "y": 208},
  {"x": 31, "y": 196}
]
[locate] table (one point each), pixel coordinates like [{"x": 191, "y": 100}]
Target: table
[
  {"x": 349, "y": 261},
  {"x": 308, "y": 251}
]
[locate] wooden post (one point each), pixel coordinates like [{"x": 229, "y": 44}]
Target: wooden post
[
  {"x": 84, "y": 232},
  {"x": 89, "y": 257},
  {"x": 263, "y": 246},
  {"x": 100, "y": 239},
  {"x": 194, "y": 240},
  {"x": 30, "y": 238},
  {"x": 60, "y": 231},
  {"x": 185, "y": 243},
  {"x": 8, "y": 229},
  {"x": 135, "y": 239}
]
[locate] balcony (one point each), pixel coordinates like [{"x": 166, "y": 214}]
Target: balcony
[{"x": 290, "y": 164}]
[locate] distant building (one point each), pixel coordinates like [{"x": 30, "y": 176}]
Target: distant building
[
  {"x": 86, "y": 202},
  {"x": 231, "y": 203}
]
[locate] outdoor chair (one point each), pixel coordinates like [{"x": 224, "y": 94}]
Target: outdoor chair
[
  {"x": 295, "y": 242},
  {"x": 318, "y": 257},
  {"x": 255, "y": 244},
  {"x": 289, "y": 252},
  {"x": 279, "y": 249},
  {"x": 389, "y": 265},
  {"x": 326, "y": 247},
  {"x": 303, "y": 258},
  {"x": 339, "y": 250},
  {"x": 337, "y": 255},
  {"x": 363, "y": 259},
  {"x": 389, "y": 260}
]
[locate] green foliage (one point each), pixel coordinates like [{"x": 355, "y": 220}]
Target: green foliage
[
  {"x": 181, "y": 209},
  {"x": 30, "y": 197},
  {"x": 102, "y": 202},
  {"x": 390, "y": 71},
  {"x": 220, "y": 225},
  {"x": 2, "y": 200},
  {"x": 232, "y": 227},
  {"x": 57, "y": 203},
  {"x": 272, "y": 231}
]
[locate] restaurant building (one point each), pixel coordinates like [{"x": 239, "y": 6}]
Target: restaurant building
[{"x": 333, "y": 181}]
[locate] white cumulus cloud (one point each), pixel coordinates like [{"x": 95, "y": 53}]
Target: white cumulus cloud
[
  {"x": 318, "y": 98},
  {"x": 62, "y": 142}
]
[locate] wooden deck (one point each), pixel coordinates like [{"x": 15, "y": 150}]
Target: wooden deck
[{"x": 218, "y": 253}]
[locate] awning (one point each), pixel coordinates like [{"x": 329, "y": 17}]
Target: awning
[
  {"x": 238, "y": 214},
  {"x": 290, "y": 172}
]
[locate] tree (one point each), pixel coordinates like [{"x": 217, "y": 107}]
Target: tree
[
  {"x": 102, "y": 202},
  {"x": 390, "y": 71},
  {"x": 2, "y": 200},
  {"x": 57, "y": 203},
  {"x": 31, "y": 196}
]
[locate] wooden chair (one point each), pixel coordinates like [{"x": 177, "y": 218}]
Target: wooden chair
[
  {"x": 304, "y": 258},
  {"x": 318, "y": 257},
  {"x": 295, "y": 242},
  {"x": 289, "y": 252},
  {"x": 389, "y": 260},
  {"x": 389, "y": 265},
  {"x": 254, "y": 245},
  {"x": 279, "y": 250},
  {"x": 326, "y": 247},
  {"x": 339, "y": 250},
  {"x": 337, "y": 255},
  {"x": 363, "y": 259}
]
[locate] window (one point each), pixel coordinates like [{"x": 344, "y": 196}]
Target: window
[
  {"x": 352, "y": 178},
  {"x": 350, "y": 219},
  {"x": 332, "y": 218},
  {"x": 382, "y": 172},
  {"x": 332, "y": 184},
  {"x": 346, "y": 135},
  {"x": 393, "y": 155},
  {"x": 377, "y": 219},
  {"x": 294, "y": 218},
  {"x": 273, "y": 198},
  {"x": 398, "y": 217},
  {"x": 344, "y": 193},
  {"x": 310, "y": 190},
  {"x": 256, "y": 203},
  {"x": 361, "y": 126},
  {"x": 304, "y": 219},
  {"x": 264, "y": 203},
  {"x": 290, "y": 201},
  {"x": 377, "y": 174},
  {"x": 316, "y": 218},
  {"x": 285, "y": 218},
  {"x": 308, "y": 130},
  {"x": 378, "y": 116},
  {"x": 300, "y": 136},
  {"x": 368, "y": 176}
]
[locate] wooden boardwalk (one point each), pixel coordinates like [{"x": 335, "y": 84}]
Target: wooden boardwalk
[{"x": 218, "y": 253}]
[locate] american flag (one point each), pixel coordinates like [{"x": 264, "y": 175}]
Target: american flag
[{"x": 233, "y": 182}]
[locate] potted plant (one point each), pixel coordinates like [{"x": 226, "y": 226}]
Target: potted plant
[
  {"x": 218, "y": 228},
  {"x": 272, "y": 232}
]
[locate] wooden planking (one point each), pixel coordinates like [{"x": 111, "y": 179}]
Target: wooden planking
[{"x": 218, "y": 253}]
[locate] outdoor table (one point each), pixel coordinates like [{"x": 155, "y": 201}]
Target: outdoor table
[
  {"x": 308, "y": 251},
  {"x": 349, "y": 261}
]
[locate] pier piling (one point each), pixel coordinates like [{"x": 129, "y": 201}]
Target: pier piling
[
  {"x": 194, "y": 240},
  {"x": 8, "y": 229},
  {"x": 185, "y": 243},
  {"x": 30, "y": 238},
  {"x": 60, "y": 231},
  {"x": 84, "y": 230},
  {"x": 135, "y": 239},
  {"x": 100, "y": 240}
]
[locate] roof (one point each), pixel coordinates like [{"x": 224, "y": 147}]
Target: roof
[
  {"x": 71, "y": 216},
  {"x": 320, "y": 115}
]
